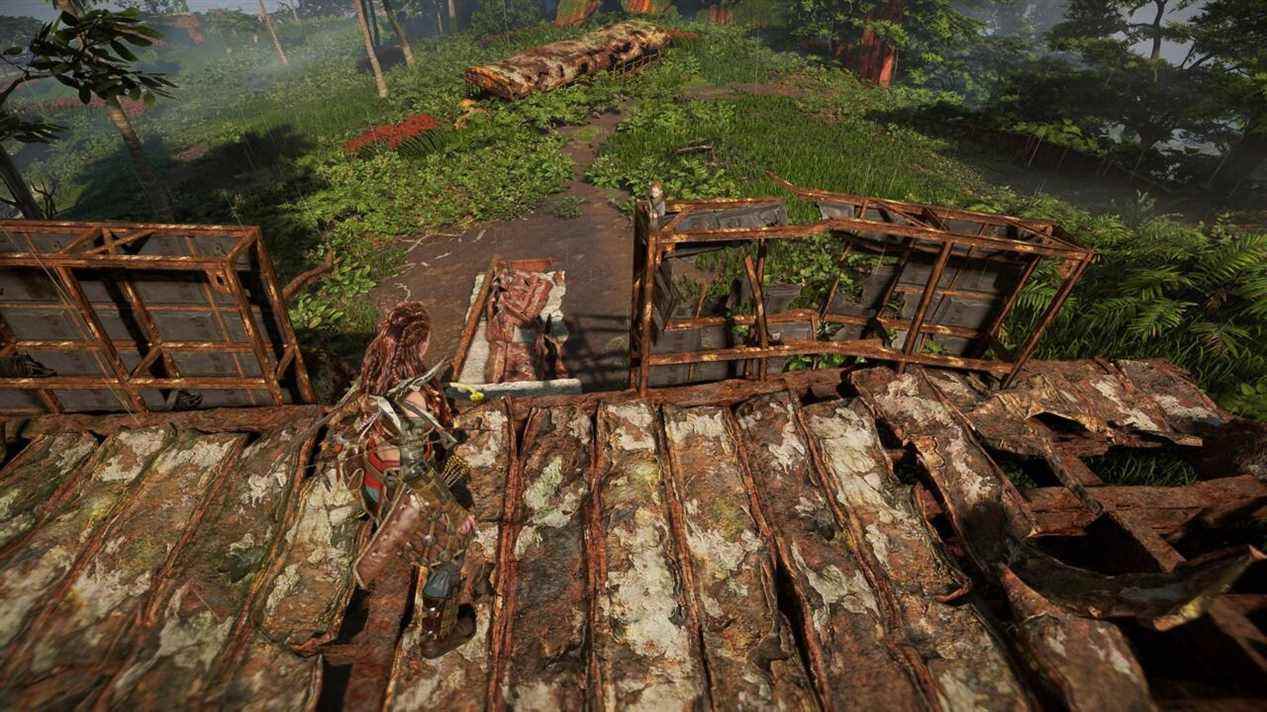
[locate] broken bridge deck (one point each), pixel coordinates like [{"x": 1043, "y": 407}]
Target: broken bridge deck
[{"x": 742, "y": 545}]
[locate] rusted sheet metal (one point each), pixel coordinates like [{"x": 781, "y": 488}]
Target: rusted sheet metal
[
  {"x": 752, "y": 662},
  {"x": 1095, "y": 396},
  {"x": 994, "y": 522},
  {"x": 561, "y": 63},
  {"x": 953, "y": 643},
  {"x": 193, "y": 612},
  {"x": 644, "y": 646},
  {"x": 311, "y": 581},
  {"x": 268, "y": 677},
  {"x": 1089, "y": 663},
  {"x": 89, "y": 613},
  {"x": 34, "y": 476},
  {"x": 456, "y": 680},
  {"x": 544, "y": 640},
  {"x": 1166, "y": 510},
  {"x": 48, "y": 554},
  {"x": 856, "y": 661},
  {"x": 1186, "y": 408},
  {"x": 572, "y": 12}
]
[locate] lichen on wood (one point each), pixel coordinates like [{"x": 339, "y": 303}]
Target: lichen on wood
[
  {"x": 31, "y": 479},
  {"x": 560, "y": 63}
]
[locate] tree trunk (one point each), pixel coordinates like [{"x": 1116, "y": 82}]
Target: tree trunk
[
  {"x": 400, "y": 33},
  {"x": 1161, "y": 13},
  {"x": 1244, "y": 158},
  {"x": 375, "y": 67},
  {"x": 18, "y": 188},
  {"x": 874, "y": 59},
  {"x": 453, "y": 14},
  {"x": 371, "y": 18},
  {"x": 268, "y": 23},
  {"x": 150, "y": 183}
]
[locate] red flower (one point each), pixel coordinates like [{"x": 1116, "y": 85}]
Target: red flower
[{"x": 390, "y": 135}]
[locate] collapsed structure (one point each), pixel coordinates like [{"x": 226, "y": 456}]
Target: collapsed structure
[{"x": 910, "y": 537}]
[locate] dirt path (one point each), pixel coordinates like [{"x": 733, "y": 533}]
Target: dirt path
[{"x": 594, "y": 249}]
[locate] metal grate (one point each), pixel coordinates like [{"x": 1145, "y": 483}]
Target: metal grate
[{"x": 142, "y": 317}]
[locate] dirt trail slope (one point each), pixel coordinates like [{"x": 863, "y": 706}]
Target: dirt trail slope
[{"x": 593, "y": 248}]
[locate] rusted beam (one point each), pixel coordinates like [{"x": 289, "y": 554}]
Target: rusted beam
[
  {"x": 73, "y": 383},
  {"x": 474, "y": 314},
  {"x": 864, "y": 349},
  {"x": 1053, "y": 310},
  {"x": 758, "y": 295},
  {"x": 926, "y": 299},
  {"x": 263, "y": 349},
  {"x": 247, "y": 420},
  {"x": 268, "y": 279},
  {"x": 115, "y": 364},
  {"x": 996, "y": 322}
]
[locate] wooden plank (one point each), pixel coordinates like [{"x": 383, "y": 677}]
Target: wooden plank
[
  {"x": 456, "y": 680},
  {"x": 191, "y": 615},
  {"x": 544, "y": 641},
  {"x": 99, "y": 601},
  {"x": 965, "y": 659},
  {"x": 751, "y": 661},
  {"x": 34, "y": 476},
  {"x": 644, "y": 647},
  {"x": 856, "y": 658},
  {"x": 30, "y": 574}
]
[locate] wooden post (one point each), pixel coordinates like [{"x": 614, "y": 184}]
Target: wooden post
[
  {"x": 268, "y": 24},
  {"x": 379, "y": 82}
]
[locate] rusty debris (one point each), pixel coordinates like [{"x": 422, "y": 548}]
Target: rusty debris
[
  {"x": 940, "y": 286},
  {"x": 140, "y": 317},
  {"x": 513, "y": 339},
  {"x": 620, "y": 47},
  {"x": 744, "y": 544}
]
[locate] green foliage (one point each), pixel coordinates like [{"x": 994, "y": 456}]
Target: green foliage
[
  {"x": 154, "y": 7},
  {"x": 494, "y": 17}
]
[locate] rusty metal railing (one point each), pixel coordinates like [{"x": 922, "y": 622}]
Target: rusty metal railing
[
  {"x": 135, "y": 313},
  {"x": 1000, "y": 252}
]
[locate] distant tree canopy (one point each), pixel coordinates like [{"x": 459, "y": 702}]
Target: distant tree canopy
[
  {"x": 154, "y": 7},
  {"x": 18, "y": 31},
  {"x": 871, "y": 34}
]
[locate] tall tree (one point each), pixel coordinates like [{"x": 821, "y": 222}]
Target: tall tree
[
  {"x": 88, "y": 53},
  {"x": 871, "y": 34},
  {"x": 1229, "y": 38},
  {"x": 268, "y": 24},
  {"x": 155, "y": 189},
  {"x": 379, "y": 82},
  {"x": 401, "y": 37}
]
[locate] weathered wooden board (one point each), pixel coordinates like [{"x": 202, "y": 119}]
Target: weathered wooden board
[
  {"x": 89, "y": 614},
  {"x": 35, "y": 475},
  {"x": 644, "y": 647},
  {"x": 48, "y": 554},
  {"x": 456, "y": 680},
  {"x": 856, "y": 661},
  {"x": 545, "y": 649},
  {"x": 953, "y": 642},
  {"x": 752, "y": 661},
  {"x": 196, "y": 606},
  {"x": 311, "y": 581}
]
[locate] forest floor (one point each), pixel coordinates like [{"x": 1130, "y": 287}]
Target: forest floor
[{"x": 581, "y": 229}]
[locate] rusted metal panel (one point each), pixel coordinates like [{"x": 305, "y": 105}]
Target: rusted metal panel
[
  {"x": 191, "y": 615},
  {"x": 1089, "y": 663},
  {"x": 561, "y": 63},
  {"x": 644, "y": 646},
  {"x": 311, "y": 580},
  {"x": 47, "y": 555},
  {"x": 953, "y": 642},
  {"x": 544, "y": 641},
  {"x": 991, "y": 517},
  {"x": 852, "y": 650},
  {"x": 268, "y": 677},
  {"x": 456, "y": 680},
  {"x": 99, "y": 304},
  {"x": 89, "y": 613},
  {"x": 1183, "y": 404},
  {"x": 747, "y": 645},
  {"x": 34, "y": 476}
]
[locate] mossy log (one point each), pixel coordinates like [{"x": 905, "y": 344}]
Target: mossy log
[{"x": 559, "y": 64}]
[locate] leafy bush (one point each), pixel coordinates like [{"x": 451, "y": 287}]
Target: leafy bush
[{"x": 494, "y": 17}]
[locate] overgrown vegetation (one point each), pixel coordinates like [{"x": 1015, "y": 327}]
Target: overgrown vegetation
[{"x": 252, "y": 142}]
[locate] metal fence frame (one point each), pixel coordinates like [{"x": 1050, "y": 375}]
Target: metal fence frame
[
  {"x": 103, "y": 245},
  {"x": 922, "y": 228}
]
